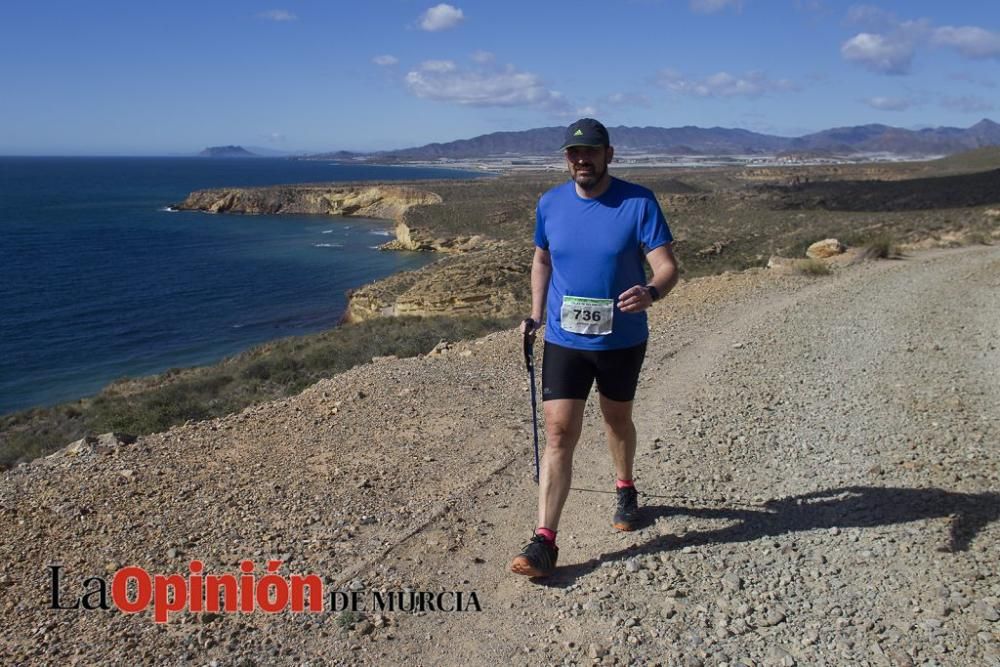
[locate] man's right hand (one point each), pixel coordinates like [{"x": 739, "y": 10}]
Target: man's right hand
[{"x": 529, "y": 326}]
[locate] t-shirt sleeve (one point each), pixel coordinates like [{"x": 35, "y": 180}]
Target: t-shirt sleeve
[
  {"x": 541, "y": 240},
  {"x": 653, "y": 229}
]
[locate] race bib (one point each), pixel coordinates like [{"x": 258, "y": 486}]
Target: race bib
[{"x": 587, "y": 316}]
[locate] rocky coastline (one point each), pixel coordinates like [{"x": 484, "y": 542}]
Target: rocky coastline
[
  {"x": 489, "y": 282},
  {"x": 373, "y": 201},
  {"x": 722, "y": 220}
]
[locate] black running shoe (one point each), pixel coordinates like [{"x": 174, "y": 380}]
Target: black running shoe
[
  {"x": 627, "y": 513},
  {"x": 537, "y": 559}
]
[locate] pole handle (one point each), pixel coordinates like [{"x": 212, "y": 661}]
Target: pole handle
[
  {"x": 529, "y": 343},
  {"x": 529, "y": 361}
]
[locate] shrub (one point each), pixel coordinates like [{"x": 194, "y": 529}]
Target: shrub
[
  {"x": 811, "y": 267},
  {"x": 347, "y": 618},
  {"x": 977, "y": 238},
  {"x": 882, "y": 246}
]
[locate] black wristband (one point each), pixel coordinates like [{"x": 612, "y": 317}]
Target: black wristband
[{"x": 654, "y": 293}]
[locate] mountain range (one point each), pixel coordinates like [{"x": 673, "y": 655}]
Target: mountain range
[{"x": 690, "y": 140}]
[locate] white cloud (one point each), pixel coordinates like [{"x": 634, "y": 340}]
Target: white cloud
[
  {"x": 888, "y": 103},
  {"x": 438, "y": 66},
  {"x": 970, "y": 41},
  {"x": 279, "y": 15},
  {"x": 724, "y": 84},
  {"x": 483, "y": 87},
  {"x": 441, "y": 17},
  {"x": 968, "y": 104},
  {"x": 483, "y": 57},
  {"x": 714, "y": 6},
  {"x": 879, "y": 53},
  {"x": 889, "y": 45},
  {"x": 625, "y": 100},
  {"x": 385, "y": 60}
]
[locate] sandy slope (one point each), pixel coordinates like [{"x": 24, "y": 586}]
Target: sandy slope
[{"x": 819, "y": 459}]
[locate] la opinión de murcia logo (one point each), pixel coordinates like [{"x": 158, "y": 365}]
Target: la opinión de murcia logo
[{"x": 135, "y": 590}]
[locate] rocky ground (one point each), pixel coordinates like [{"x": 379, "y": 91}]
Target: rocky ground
[{"x": 818, "y": 459}]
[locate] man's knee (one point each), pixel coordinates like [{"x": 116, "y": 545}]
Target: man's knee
[
  {"x": 618, "y": 418},
  {"x": 563, "y": 423},
  {"x": 562, "y": 434},
  {"x": 619, "y": 424}
]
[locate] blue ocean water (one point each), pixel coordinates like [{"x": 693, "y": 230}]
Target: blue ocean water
[{"x": 98, "y": 280}]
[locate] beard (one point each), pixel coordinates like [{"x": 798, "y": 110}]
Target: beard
[{"x": 590, "y": 180}]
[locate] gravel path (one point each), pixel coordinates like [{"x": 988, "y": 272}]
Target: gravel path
[{"x": 818, "y": 458}]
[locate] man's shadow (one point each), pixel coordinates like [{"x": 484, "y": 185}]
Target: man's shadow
[{"x": 846, "y": 507}]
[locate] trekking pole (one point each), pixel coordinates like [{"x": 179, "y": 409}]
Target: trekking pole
[{"x": 529, "y": 361}]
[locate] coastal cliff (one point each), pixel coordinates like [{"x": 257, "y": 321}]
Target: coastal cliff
[
  {"x": 388, "y": 202},
  {"x": 419, "y": 238},
  {"x": 491, "y": 281},
  {"x": 369, "y": 201}
]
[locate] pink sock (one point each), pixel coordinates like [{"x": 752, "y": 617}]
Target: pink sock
[
  {"x": 623, "y": 483},
  {"x": 549, "y": 535}
]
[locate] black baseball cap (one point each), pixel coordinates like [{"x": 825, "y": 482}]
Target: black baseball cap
[{"x": 586, "y": 132}]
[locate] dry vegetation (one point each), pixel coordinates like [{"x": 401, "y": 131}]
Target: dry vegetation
[{"x": 812, "y": 267}]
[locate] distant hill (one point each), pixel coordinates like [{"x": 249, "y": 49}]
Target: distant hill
[
  {"x": 692, "y": 140},
  {"x": 980, "y": 159},
  {"x": 226, "y": 151},
  {"x": 261, "y": 151},
  {"x": 885, "y": 139},
  {"x": 343, "y": 156}
]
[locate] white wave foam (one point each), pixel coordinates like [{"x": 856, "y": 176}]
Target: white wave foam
[
  {"x": 169, "y": 209},
  {"x": 327, "y": 231},
  {"x": 381, "y": 232},
  {"x": 328, "y": 245}
]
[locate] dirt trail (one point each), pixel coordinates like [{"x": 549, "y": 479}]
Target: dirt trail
[{"x": 818, "y": 456}]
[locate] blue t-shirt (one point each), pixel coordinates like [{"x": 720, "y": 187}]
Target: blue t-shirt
[{"x": 597, "y": 249}]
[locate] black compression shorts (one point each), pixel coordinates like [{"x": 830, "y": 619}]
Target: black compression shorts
[{"x": 569, "y": 373}]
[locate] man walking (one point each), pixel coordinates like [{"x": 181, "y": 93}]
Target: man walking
[{"x": 591, "y": 235}]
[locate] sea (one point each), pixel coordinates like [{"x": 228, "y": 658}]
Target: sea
[{"x": 100, "y": 279}]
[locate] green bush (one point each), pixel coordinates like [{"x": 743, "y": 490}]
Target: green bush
[{"x": 348, "y": 618}]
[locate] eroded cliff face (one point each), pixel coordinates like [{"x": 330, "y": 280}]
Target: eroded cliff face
[
  {"x": 370, "y": 201},
  {"x": 488, "y": 282},
  {"x": 418, "y": 238}
]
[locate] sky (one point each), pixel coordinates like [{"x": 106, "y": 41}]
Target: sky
[{"x": 159, "y": 78}]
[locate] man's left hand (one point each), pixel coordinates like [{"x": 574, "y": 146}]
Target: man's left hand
[{"x": 635, "y": 299}]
